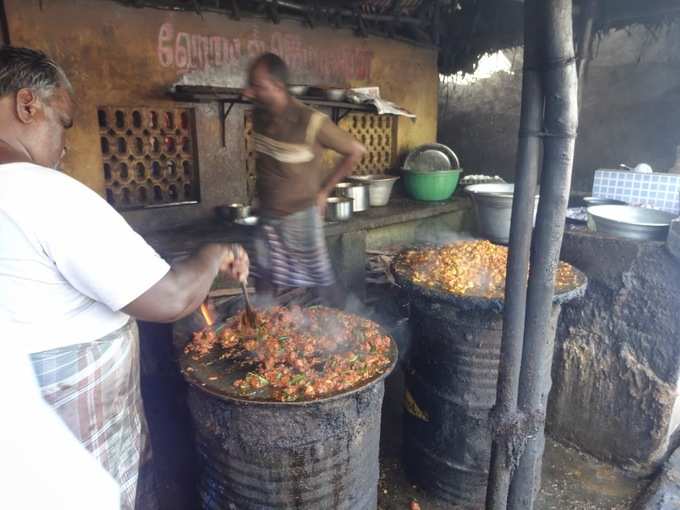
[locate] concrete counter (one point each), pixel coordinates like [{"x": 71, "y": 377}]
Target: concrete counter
[
  {"x": 403, "y": 220},
  {"x": 182, "y": 241}
]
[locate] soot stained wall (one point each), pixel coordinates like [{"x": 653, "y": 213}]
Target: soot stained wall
[{"x": 630, "y": 112}]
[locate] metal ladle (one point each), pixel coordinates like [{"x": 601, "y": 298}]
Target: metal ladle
[{"x": 249, "y": 318}]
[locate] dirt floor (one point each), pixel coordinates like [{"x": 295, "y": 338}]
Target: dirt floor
[{"x": 571, "y": 479}]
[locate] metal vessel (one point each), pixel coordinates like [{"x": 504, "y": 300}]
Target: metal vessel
[
  {"x": 379, "y": 187},
  {"x": 338, "y": 209},
  {"x": 493, "y": 209},
  {"x": 630, "y": 222},
  {"x": 357, "y": 191},
  {"x": 233, "y": 212},
  {"x": 282, "y": 455},
  {"x": 451, "y": 382},
  {"x": 431, "y": 156}
]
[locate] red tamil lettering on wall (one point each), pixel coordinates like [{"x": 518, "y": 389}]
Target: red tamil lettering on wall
[{"x": 187, "y": 52}]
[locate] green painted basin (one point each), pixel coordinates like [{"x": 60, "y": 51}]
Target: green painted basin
[{"x": 431, "y": 186}]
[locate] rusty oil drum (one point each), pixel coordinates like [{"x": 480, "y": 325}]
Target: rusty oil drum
[
  {"x": 451, "y": 378},
  {"x": 285, "y": 455}
]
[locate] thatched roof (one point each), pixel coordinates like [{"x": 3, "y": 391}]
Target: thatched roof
[{"x": 477, "y": 27}]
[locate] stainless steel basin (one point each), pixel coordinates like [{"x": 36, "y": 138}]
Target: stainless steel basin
[{"x": 630, "y": 222}]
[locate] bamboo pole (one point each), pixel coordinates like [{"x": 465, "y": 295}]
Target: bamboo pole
[
  {"x": 505, "y": 418},
  {"x": 560, "y": 124}
]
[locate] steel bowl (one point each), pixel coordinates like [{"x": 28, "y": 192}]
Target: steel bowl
[
  {"x": 298, "y": 90},
  {"x": 493, "y": 209},
  {"x": 630, "y": 222},
  {"x": 379, "y": 187},
  {"x": 249, "y": 221},
  {"x": 338, "y": 209},
  {"x": 357, "y": 191},
  {"x": 335, "y": 94},
  {"x": 233, "y": 212},
  {"x": 590, "y": 201}
]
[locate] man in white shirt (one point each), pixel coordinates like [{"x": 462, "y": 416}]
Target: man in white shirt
[{"x": 74, "y": 275}]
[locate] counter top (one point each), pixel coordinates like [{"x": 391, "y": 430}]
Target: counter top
[{"x": 181, "y": 241}]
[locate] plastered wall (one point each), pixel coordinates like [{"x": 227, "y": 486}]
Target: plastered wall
[{"x": 125, "y": 56}]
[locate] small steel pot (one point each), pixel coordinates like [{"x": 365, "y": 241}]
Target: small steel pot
[
  {"x": 356, "y": 191},
  {"x": 233, "y": 212},
  {"x": 338, "y": 209}
]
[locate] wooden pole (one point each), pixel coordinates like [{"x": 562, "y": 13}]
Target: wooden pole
[
  {"x": 505, "y": 419},
  {"x": 585, "y": 45},
  {"x": 560, "y": 84}
]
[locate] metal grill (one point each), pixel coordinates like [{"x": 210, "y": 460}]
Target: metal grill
[
  {"x": 249, "y": 151},
  {"x": 149, "y": 156},
  {"x": 378, "y": 134}
]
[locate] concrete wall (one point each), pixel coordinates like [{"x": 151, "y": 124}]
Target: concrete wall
[
  {"x": 123, "y": 56},
  {"x": 630, "y": 113},
  {"x": 617, "y": 358}
]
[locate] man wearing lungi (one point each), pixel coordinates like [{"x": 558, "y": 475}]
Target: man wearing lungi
[
  {"x": 73, "y": 274},
  {"x": 290, "y": 249}
]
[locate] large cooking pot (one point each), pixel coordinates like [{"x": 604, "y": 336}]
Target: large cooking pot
[
  {"x": 450, "y": 379},
  {"x": 302, "y": 455},
  {"x": 493, "y": 209}
]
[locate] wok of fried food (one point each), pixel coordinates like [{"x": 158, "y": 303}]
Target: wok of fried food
[
  {"x": 298, "y": 354},
  {"x": 469, "y": 268}
]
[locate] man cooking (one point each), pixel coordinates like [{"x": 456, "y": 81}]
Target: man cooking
[
  {"x": 290, "y": 250},
  {"x": 74, "y": 275}
]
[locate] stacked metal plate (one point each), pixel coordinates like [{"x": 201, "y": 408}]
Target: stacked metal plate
[{"x": 431, "y": 157}]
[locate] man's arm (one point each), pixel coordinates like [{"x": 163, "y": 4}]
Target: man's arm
[
  {"x": 186, "y": 285},
  {"x": 332, "y": 137}
]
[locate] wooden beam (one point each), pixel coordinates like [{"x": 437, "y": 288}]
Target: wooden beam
[
  {"x": 396, "y": 12},
  {"x": 585, "y": 44},
  {"x": 274, "y": 11},
  {"x": 235, "y": 13}
]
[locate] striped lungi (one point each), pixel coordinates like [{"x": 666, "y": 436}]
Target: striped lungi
[
  {"x": 94, "y": 387},
  {"x": 291, "y": 251}
]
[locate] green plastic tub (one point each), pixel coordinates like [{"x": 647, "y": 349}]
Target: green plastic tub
[{"x": 431, "y": 186}]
